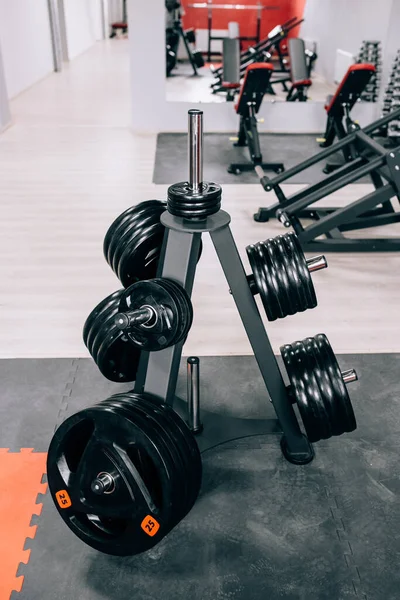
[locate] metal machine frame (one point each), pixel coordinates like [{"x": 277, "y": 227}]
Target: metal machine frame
[
  {"x": 374, "y": 209},
  {"x": 253, "y": 88},
  {"x": 158, "y": 371}
]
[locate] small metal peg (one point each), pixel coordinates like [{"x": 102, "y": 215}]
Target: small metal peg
[
  {"x": 316, "y": 263},
  {"x": 349, "y": 376}
]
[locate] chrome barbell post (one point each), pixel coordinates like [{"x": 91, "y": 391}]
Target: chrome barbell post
[
  {"x": 193, "y": 394},
  {"x": 349, "y": 376},
  {"x": 195, "y": 148},
  {"x": 316, "y": 263},
  {"x": 141, "y": 316}
]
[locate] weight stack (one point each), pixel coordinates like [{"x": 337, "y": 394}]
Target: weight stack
[
  {"x": 371, "y": 52},
  {"x": 391, "y": 99}
]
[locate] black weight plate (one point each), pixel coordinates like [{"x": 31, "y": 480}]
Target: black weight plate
[
  {"x": 270, "y": 301},
  {"x": 129, "y": 215},
  {"x": 276, "y": 277},
  {"x": 146, "y": 415},
  {"x": 123, "y": 534},
  {"x": 193, "y": 454},
  {"x": 103, "y": 332},
  {"x": 184, "y": 442},
  {"x": 140, "y": 260},
  {"x": 302, "y": 268},
  {"x": 295, "y": 370},
  {"x": 298, "y": 297},
  {"x": 103, "y": 307},
  {"x": 140, "y": 227},
  {"x": 316, "y": 398},
  {"x": 138, "y": 415},
  {"x": 340, "y": 389},
  {"x": 185, "y": 306},
  {"x": 332, "y": 405},
  {"x": 118, "y": 360},
  {"x": 153, "y": 294},
  {"x": 315, "y": 405}
]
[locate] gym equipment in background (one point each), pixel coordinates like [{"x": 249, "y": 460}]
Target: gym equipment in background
[
  {"x": 374, "y": 209},
  {"x": 120, "y": 25},
  {"x": 253, "y": 88},
  {"x": 125, "y": 471},
  {"x": 371, "y": 53},
  {"x": 338, "y": 107},
  {"x": 391, "y": 100},
  {"x": 299, "y": 70},
  {"x": 174, "y": 32},
  {"x": 261, "y": 52},
  {"x": 210, "y": 6},
  {"x": 231, "y": 67}
]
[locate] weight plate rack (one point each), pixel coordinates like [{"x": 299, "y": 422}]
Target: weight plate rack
[{"x": 124, "y": 472}]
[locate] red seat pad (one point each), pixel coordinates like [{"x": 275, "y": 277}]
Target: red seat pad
[
  {"x": 230, "y": 86},
  {"x": 119, "y": 25},
  {"x": 354, "y": 83},
  {"x": 302, "y": 82},
  {"x": 253, "y": 69}
]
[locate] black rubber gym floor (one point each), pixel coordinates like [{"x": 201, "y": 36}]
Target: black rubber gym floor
[
  {"x": 262, "y": 528},
  {"x": 219, "y": 152}
]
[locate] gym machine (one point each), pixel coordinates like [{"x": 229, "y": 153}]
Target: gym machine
[
  {"x": 374, "y": 209},
  {"x": 120, "y": 25},
  {"x": 338, "y": 107},
  {"x": 255, "y": 84},
  {"x": 125, "y": 471},
  {"x": 210, "y": 6},
  {"x": 174, "y": 32},
  {"x": 299, "y": 70},
  {"x": 261, "y": 52}
]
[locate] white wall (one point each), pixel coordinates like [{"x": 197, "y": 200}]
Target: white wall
[
  {"x": 151, "y": 112},
  {"x": 343, "y": 24},
  {"x": 26, "y": 43},
  {"x": 5, "y": 116},
  {"x": 83, "y": 24}
]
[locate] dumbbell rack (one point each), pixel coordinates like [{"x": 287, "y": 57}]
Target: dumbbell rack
[
  {"x": 158, "y": 371},
  {"x": 391, "y": 99},
  {"x": 371, "y": 52}
]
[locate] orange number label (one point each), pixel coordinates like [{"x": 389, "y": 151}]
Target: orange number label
[
  {"x": 63, "y": 499},
  {"x": 150, "y": 525}
]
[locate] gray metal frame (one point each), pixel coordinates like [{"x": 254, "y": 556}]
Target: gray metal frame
[{"x": 158, "y": 371}]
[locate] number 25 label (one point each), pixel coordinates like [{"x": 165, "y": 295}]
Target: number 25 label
[
  {"x": 150, "y": 525},
  {"x": 63, "y": 499}
]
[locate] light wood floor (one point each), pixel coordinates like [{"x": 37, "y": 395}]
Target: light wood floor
[{"x": 70, "y": 165}]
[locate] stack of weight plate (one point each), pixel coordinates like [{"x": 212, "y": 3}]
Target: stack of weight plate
[{"x": 371, "y": 52}]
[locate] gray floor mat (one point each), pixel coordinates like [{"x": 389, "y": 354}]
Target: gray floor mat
[
  {"x": 261, "y": 528},
  {"x": 33, "y": 395}
]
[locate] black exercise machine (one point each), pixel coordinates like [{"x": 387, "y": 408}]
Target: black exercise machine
[
  {"x": 261, "y": 52},
  {"x": 301, "y": 64},
  {"x": 173, "y": 34},
  {"x": 253, "y": 88},
  {"x": 299, "y": 71},
  {"x": 338, "y": 108},
  {"x": 374, "y": 209}
]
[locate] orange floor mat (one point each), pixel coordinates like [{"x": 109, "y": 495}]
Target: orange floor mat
[{"x": 20, "y": 483}]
